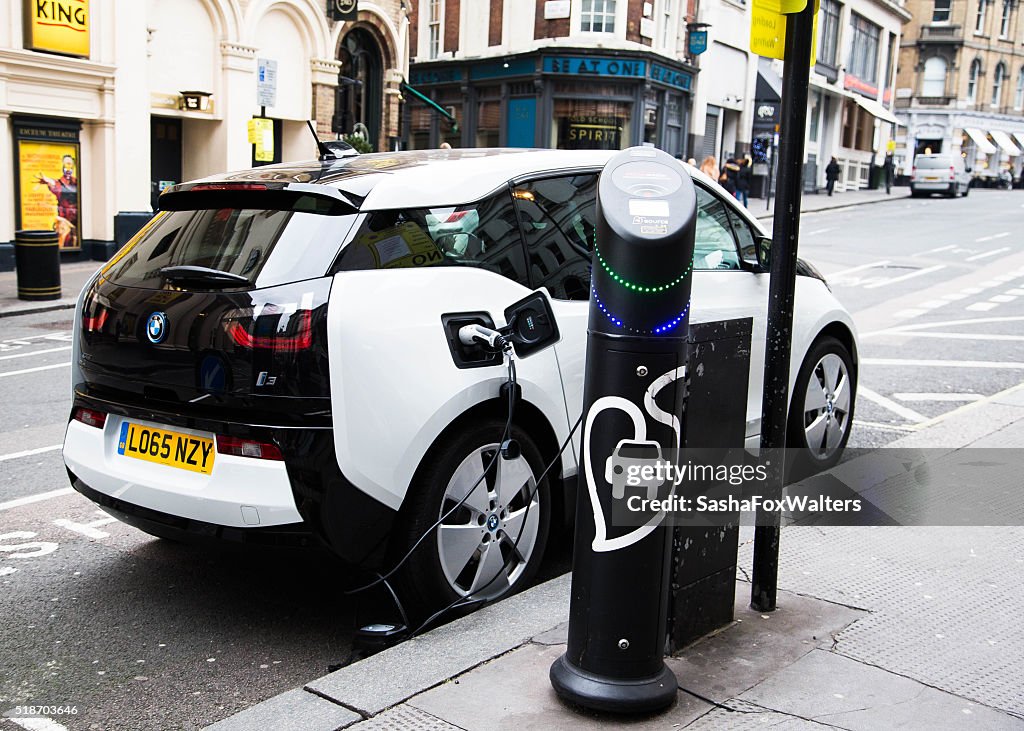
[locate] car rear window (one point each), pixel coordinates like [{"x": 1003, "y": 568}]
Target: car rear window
[
  {"x": 268, "y": 247},
  {"x": 931, "y": 163}
]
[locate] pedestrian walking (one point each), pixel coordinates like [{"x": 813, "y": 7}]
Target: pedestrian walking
[
  {"x": 709, "y": 166},
  {"x": 888, "y": 169},
  {"x": 729, "y": 176},
  {"x": 743, "y": 179},
  {"x": 831, "y": 174}
]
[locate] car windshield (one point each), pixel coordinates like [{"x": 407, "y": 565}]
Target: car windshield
[{"x": 267, "y": 247}]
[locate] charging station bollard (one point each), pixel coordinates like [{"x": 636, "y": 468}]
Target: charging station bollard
[{"x": 634, "y": 393}]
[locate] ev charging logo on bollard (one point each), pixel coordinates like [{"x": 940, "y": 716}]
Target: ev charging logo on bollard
[{"x": 602, "y": 542}]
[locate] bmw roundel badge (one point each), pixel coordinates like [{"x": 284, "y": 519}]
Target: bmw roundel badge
[{"x": 156, "y": 327}]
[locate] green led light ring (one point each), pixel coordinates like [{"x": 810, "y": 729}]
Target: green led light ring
[{"x": 640, "y": 287}]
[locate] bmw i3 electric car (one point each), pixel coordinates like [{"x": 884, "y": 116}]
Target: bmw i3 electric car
[{"x": 271, "y": 360}]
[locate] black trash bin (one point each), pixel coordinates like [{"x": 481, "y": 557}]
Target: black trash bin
[{"x": 37, "y": 259}]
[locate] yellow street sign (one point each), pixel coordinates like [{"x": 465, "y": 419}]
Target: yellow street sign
[
  {"x": 768, "y": 27},
  {"x": 261, "y": 134}
]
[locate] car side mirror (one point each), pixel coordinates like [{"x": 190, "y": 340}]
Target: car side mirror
[
  {"x": 531, "y": 324},
  {"x": 763, "y": 251}
]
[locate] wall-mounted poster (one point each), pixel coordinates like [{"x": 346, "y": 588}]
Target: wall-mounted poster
[{"x": 48, "y": 190}]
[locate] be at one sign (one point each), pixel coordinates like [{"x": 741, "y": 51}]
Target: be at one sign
[{"x": 768, "y": 26}]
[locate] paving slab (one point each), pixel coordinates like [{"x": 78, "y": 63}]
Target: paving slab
[
  {"x": 295, "y": 710},
  {"x": 513, "y": 692},
  {"x": 752, "y": 718},
  {"x": 404, "y": 718},
  {"x": 739, "y": 657},
  {"x": 828, "y": 688},
  {"x": 389, "y": 677}
]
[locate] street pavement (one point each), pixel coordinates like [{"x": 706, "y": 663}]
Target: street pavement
[{"x": 147, "y": 634}]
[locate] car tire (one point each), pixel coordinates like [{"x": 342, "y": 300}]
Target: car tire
[
  {"x": 914, "y": 193},
  {"x": 477, "y": 542},
  {"x": 821, "y": 410}
]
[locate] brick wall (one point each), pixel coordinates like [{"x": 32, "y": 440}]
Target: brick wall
[
  {"x": 494, "y": 23},
  {"x": 451, "y": 25},
  {"x": 414, "y": 27},
  {"x": 548, "y": 28}
]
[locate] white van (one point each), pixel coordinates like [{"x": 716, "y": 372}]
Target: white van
[{"x": 939, "y": 174}]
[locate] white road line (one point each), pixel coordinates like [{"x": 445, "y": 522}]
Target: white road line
[
  {"x": 38, "y": 723},
  {"x": 938, "y": 396},
  {"x": 851, "y": 270},
  {"x": 1002, "y": 298},
  {"x": 819, "y": 231},
  {"x": 33, "y": 370},
  {"x": 1015, "y": 292},
  {"x": 28, "y": 452},
  {"x": 908, "y": 313},
  {"x": 946, "y": 323},
  {"x": 86, "y": 529},
  {"x": 905, "y": 277},
  {"x": 898, "y": 409},
  {"x": 887, "y": 427},
  {"x": 967, "y": 407},
  {"x": 35, "y": 352},
  {"x": 954, "y": 296},
  {"x": 38, "y": 498},
  {"x": 999, "y": 235},
  {"x": 994, "y": 337},
  {"x": 1009, "y": 365},
  {"x": 982, "y": 306},
  {"x": 932, "y": 304},
  {"x": 56, "y": 336},
  {"x": 932, "y": 251},
  {"x": 7, "y": 570}
]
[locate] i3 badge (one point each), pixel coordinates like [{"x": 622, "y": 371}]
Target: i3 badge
[{"x": 156, "y": 327}]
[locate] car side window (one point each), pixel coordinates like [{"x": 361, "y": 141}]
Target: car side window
[
  {"x": 744, "y": 237},
  {"x": 484, "y": 234},
  {"x": 557, "y": 216},
  {"x": 714, "y": 245}
]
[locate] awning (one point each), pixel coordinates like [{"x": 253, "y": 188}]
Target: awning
[
  {"x": 1019, "y": 136},
  {"x": 1003, "y": 140},
  {"x": 429, "y": 102},
  {"x": 875, "y": 109},
  {"x": 982, "y": 143}
]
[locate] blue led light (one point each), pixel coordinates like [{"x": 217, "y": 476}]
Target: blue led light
[{"x": 666, "y": 327}]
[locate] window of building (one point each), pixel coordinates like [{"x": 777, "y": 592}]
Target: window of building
[
  {"x": 668, "y": 37},
  {"x": 979, "y": 19},
  {"x": 434, "y": 28},
  {"x": 813, "y": 115},
  {"x": 972, "y": 81},
  {"x": 933, "y": 83},
  {"x": 558, "y": 220},
  {"x": 598, "y": 16},
  {"x": 1018, "y": 95},
  {"x": 864, "y": 49},
  {"x": 488, "y": 116},
  {"x": 828, "y": 42},
  {"x": 940, "y": 14},
  {"x": 1004, "y": 23},
  {"x": 997, "y": 84}
]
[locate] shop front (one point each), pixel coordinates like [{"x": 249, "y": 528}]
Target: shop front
[{"x": 568, "y": 99}]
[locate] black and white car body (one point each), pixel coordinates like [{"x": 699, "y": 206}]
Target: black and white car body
[{"x": 267, "y": 359}]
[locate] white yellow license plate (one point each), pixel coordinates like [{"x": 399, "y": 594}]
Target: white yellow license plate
[{"x": 166, "y": 447}]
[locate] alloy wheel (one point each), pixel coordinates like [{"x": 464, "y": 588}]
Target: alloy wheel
[{"x": 827, "y": 406}]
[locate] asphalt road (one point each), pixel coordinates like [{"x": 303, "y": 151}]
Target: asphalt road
[{"x": 140, "y": 633}]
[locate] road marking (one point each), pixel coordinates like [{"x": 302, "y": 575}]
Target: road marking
[
  {"x": 37, "y": 498},
  {"x": 907, "y": 314},
  {"x": 38, "y": 723},
  {"x": 851, "y": 270},
  {"x": 29, "y": 452},
  {"x": 1015, "y": 292},
  {"x": 879, "y": 425},
  {"x": 972, "y": 290},
  {"x": 932, "y": 251},
  {"x": 1002, "y": 298},
  {"x": 932, "y": 304},
  {"x": 1009, "y": 365},
  {"x": 35, "y": 352},
  {"x": 954, "y": 296},
  {"x": 938, "y": 396},
  {"x": 33, "y": 370},
  {"x": 87, "y": 529},
  {"x": 898, "y": 409},
  {"x": 982, "y": 306},
  {"x": 819, "y": 231},
  {"x": 31, "y": 549},
  {"x": 967, "y": 407},
  {"x": 7, "y": 570},
  {"x": 53, "y": 336},
  {"x": 994, "y": 337},
  {"x": 905, "y": 277},
  {"x": 999, "y": 235}
]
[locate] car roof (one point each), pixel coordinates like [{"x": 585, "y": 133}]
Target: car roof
[{"x": 430, "y": 178}]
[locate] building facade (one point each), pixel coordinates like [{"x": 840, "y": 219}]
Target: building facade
[
  {"x": 961, "y": 84},
  {"x": 103, "y": 103},
  {"x": 849, "y": 114},
  {"x": 568, "y": 74}
]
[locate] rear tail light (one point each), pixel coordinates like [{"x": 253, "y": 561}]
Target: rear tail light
[
  {"x": 95, "y": 322},
  {"x": 248, "y": 448},
  {"x": 284, "y": 328},
  {"x": 229, "y": 186},
  {"x": 952, "y": 172},
  {"x": 89, "y": 417}
]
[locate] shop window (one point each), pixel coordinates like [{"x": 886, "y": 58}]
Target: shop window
[
  {"x": 591, "y": 124},
  {"x": 484, "y": 235},
  {"x": 558, "y": 220},
  {"x": 651, "y": 117},
  {"x": 714, "y": 246},
  {"x": 488, "y": 123},
  {"x": 933, "y": 83},
  {"x": 972, "y": 81},
  {"x": 598, "y": 16},
  {"x": 419, "y": 124},
  {"x": 940, "y": 13}
]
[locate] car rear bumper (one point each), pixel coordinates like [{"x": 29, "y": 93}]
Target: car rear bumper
[{"x": 936, "y": 186}]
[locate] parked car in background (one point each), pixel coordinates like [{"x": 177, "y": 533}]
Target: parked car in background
[
  {"x": 939, "y": 173},
  {"x": 268, "y": 361}
]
